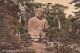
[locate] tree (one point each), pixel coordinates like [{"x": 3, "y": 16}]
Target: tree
[
  {"x": 70, "y": 16},
  {"x": 47, "y": 8},
  {"x": 26, "y": 8},
  {"x": 77, "y": 5},
  {"x": 75, "y": 21},
  {"x": 58, "y": 13}
]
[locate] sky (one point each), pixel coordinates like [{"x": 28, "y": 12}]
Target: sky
[{"x": 62, "y": 2}]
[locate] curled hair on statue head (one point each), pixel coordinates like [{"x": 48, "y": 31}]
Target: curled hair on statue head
[{"x": 39, "y": 9}]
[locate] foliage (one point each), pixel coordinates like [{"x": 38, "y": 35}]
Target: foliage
[{"x": 53, "y": 13}]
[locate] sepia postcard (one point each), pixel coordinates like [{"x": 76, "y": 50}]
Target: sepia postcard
[{"x": 39, "y": 26}]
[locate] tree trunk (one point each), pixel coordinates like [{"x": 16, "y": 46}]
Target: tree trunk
[
  {"x": 59, "y": 23},
  {"x": 70, "y": 27}
]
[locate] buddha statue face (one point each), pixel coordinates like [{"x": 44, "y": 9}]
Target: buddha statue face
[{"x": 39, "y": 13}]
